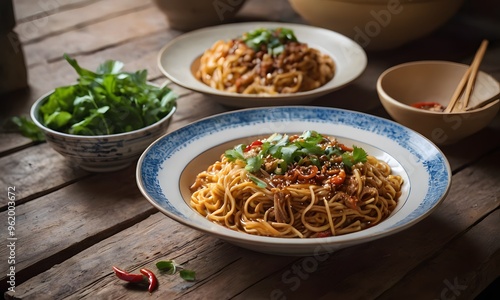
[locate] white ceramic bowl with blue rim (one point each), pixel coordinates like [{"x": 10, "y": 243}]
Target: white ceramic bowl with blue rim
[
  {"x": 101, "y": 153},
  {"x": 169, "y": 166}
]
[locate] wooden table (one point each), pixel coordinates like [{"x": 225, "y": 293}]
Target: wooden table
[{"x": 72, "y": 226}]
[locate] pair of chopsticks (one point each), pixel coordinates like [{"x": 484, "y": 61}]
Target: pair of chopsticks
[{"x": 467, "y": 81}]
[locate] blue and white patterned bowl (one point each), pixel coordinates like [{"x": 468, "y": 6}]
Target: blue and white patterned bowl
[
  {"x": 101, "y": 153},
  {"x": 169, "y": 166}
]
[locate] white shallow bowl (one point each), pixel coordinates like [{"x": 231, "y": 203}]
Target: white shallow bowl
[
  {"x": 101, "y": 153},
  {"x": 179, "y": 60},
  {"x": 169, "y": 166}
]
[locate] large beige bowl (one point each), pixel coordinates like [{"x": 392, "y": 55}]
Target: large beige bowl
[
  {"x": 435, "y": 81},
  {"x": 193, "y": 14},
  {"x": 378, "y": 24}
]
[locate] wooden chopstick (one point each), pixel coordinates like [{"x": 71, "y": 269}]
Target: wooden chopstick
[
  {"x": 468, "y": 80},
  {"x": 458, "y": 91},
  {"x": 475, "y": 67}
]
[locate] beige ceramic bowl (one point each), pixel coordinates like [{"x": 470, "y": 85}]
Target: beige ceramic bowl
[
  {"x": 378, "y": 24},
  {"x": 192, "y": 14},
  {"x": 436, "y": 81}
]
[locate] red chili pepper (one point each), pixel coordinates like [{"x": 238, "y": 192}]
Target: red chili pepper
[
  {"x": 345, "y": 148},
  {"x": 253, "y": 144},
  {"x": 323, "y": 234},
  {"x": 153, "y": 282},
  {"x": 123, "y": 275},
  {"x": 432, "y": 106},
  {"x": 338, "y": 178},
  {"x": 313, "y": 170},
  {"x": 352, "y": 202}
]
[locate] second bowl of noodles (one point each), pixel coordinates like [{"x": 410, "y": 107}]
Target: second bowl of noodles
[{"x": 262, "y": 63}]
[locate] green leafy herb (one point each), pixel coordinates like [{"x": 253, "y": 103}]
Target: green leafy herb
[
  {"x": 167, "y": 266},
  {"x": 304, "y": 150},
  {"x": 254, "y": 163},
  {"x": 280, "y": 147},
  {"x": 358, "y": 155},
  {"x": 187, "y": 275},
  {"x": 170, "y": 267},
  {"x": 258, "y": 181},
  {"x": 107, "y": 101},
  {"x": 235, "y": 153},
  {"x": 273, "y": 39},
  {"x": 28, "y": 129}
]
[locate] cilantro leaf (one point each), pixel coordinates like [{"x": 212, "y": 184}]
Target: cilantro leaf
[
  {"x": 167, "y": 266},
  {"x": 110, "y": 67},
  {"x": 273, "y": 39},
  {"x": 358, "y": 155},
  {"x": 28, "y": 129},
  {"x": 254, "y": 163},
  {"x": 347, "y": 159},
  {"x": 187, "y": 275},
  {"x": 58, "y": 119},
  {"x": 235, "y": 153},
  {"x": 258, "y": 182},
  {"x": 170, "y": 267},
  {"x": 288, "y": 153},
  {"x": 84, "y": 73},
  {"x": 305, "y": 149}
]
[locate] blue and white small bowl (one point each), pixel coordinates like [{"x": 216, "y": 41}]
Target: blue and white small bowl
[{"x": 101, "y": 153}]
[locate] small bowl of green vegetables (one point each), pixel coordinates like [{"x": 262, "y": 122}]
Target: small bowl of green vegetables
[{"x": 107, "y": 119}]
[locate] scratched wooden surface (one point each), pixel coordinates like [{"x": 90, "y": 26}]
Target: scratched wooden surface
[{"x": 72, "y": 226}]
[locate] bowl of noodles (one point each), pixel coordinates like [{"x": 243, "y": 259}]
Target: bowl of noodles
[
  {"x": 262, "y": 63},
  {"x": 294, "y": 180}
]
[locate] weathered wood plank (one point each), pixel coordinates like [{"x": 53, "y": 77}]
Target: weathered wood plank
[
  {"x": 156, "y": 238},
  {"x": 485, "y": 141},
  {"x": 478, "y": 252},
  {"x": 381, "y": 263},
  {"x": 58, "y": 225},
  {"x": 193, "y": 108},
  {"x": 37, "y": 170},
  {"x": 12, "y": 142},
  {"x": 204, "y": 257},
  {"x": 57, "y": 21},
  {"x": 27, "y": 10},
  {"x": 96, "y": 36}
]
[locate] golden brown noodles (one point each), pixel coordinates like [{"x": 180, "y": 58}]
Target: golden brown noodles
[
  {"x": 289, "y": 67},
  {"x": 336, "y": 191}
]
